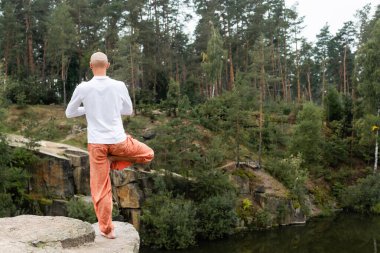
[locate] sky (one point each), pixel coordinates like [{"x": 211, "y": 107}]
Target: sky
[
  {"x": 334, "y": 12},
  {"x": 316, "y": 12}
]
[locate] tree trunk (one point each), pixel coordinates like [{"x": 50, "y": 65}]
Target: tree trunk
[
  {"x": 262, "y": 83},
  {"x": 6, "y": 60},
  {"x": 44, "y": 60},
  {"x": 323, "y": 82},
  {"x": 344, "y": 71},
  {"x": 63, "y": 79},
  {"x": 133, "y": 79},
  {"x": 29, "y": 40},
  {"x": 297, "y": 68},
  {"x": 377, "y": 145},
  {"x": 284, "y": 91},
  {"x": 374, "y": 245},
  {"x": 309, "y": 86},
  {"x": 232, "y": 77}
]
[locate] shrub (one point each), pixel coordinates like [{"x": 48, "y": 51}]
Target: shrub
[
  {"x": 168, "y": 222},
  {"x": 288, "y": 170},
  {"x": 364, "y": 196},
  {"x": 211, "y": 183},
  {"x": 307, "y": 137},
  {"x": 7, "y": 208},
  {"x": 262, "y": 219},
  {"x": 79, "y": 209},
  {"x": 216, "y": 216}
]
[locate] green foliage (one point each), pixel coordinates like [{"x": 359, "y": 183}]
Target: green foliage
[
  {"x": 216, "y": 216},
  {"x": 184, "y": 106},
  {"x": 172, "y": 98},
  {"x": 211, "y": 183},
  {"x": 262, "y": 219},
  {"x": 290, "y": 171},
  {"x": 365, "y": 139},
  {"x": 364, "y": 196},
  {"x": 175, "y": 147},
  {"x": 333, "y": 105},
  {"x": 212, "y": 113},
  {"x": 307, "y": 138},
  {"x": 29, "y": 91},
  {"x": 7, "y": 207},
  {"x": 245, "y": 210},
  {"x": 243, "y": 173},
  {"x": 168, "y": 222},
  {"x": 215, "y": 57},
  {"x": 14, "y": 164},
  {"x": 369, "y": 71},
  {"x": 335, "y": 147},
  {"x": 79, "y": 209}
]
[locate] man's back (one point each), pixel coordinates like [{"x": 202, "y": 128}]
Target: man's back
[{"x": 104, "y": 100}]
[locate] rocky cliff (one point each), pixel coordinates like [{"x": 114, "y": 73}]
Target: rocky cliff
[{"x": 64, "y": 172}]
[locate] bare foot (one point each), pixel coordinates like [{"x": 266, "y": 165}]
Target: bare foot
[{"x": 110, "y": 235}]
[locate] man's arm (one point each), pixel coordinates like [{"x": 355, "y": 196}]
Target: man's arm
[
  {"x": 127, "y": 108},
  {"x": 73, "y": 108}
]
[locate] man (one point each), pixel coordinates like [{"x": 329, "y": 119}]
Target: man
[{"x": 104, "y": 101}]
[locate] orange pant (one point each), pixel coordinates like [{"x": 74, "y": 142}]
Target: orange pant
[{"x": 100, "y": 166}]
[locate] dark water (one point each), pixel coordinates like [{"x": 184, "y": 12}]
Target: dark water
[{"x": 344, "y": 233}]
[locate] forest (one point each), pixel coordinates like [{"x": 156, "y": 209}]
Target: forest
[{"x": 245, "y": 86}]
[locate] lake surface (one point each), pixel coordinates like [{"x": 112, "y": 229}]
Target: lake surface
[{"x": 344, "y": 233}]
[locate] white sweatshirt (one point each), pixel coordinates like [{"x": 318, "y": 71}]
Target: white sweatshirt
[{"x": 104, "y": 101}]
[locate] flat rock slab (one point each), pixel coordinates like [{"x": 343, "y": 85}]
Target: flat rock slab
[
  {"x": 127, "y": 241},
  {"x": 45, "y": 231},
  {"x": 37, "y": 234}
]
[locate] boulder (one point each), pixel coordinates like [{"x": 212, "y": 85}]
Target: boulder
[{"x": 149, "y": 134}]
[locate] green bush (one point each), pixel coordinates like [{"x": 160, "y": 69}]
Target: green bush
[
  {"x": 308, "y": 138},
  {"x": 79, "y": 209},
  {"x": 262, "y": 219},
  {"x": 31, "y": 91},
  {"x": 289, "y": 171},
  {"x": 7, "y": 208},
  {"x": 364, "y": 196},
  {"x": 13, "y": 177},
  {"x": 217, "y": 216},
  {"x": 168, "y": 222},
  {"x": 210, "y": 183}
]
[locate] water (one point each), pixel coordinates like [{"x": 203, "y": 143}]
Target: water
[{"x": 344, "y": 233}]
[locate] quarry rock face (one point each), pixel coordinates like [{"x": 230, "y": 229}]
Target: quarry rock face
[
  {"x": 64, "y": 171},
  {"x": 267, "y": 193},
  {"x": 35, "y": 234}
]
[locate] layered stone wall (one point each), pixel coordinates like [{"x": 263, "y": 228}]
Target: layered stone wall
[{"x": 64, "y": 172}]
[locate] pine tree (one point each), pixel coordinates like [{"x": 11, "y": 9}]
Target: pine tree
[{"x": 61, "y": 41}]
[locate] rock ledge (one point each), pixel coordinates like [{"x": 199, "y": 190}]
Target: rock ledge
[{"x": 35, "y": 234}]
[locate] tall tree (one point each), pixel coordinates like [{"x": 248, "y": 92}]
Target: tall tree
[
  {"x": 61, "y": 42},
  {"x": 216, "y": 55},
  {"x": 369, "y": 75},
  {"x": 321, "y": 55}
]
